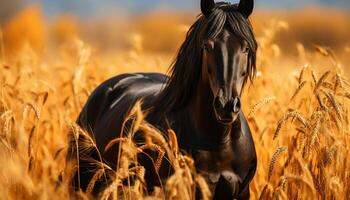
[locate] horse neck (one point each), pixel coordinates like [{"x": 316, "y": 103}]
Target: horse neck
[{"x": 209, "y": 133}]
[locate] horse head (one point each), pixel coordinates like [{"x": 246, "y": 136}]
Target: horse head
[{"x": 228, "y": 54}]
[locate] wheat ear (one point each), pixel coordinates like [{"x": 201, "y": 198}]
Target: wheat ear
[{"x": 274, "y": 158}]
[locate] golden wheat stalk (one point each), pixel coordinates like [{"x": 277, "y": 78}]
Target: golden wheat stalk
[
  {"x": 8, "y": 119},
  {"x": 34, "y": 108},
  {"x": 274, "y": 158},
  {"x": 280, "y": 194},
  {"x": 328, "y": 85},
  {"x": 328, "y": 155},
  {"x": 301, "y": 179},
  {"x": 301, "y": 75},
  {"x": 334, "y": 104},
  {"x": 345, "y": 81},
  {"x": 316, "y": 129},
  {"x": 114, "y": 142},
  {"x": 320, "y": 101},
  {"x": 206, "y": 194},
  {"x": 293, "y": 114},
  {"x": 173, "y": 142},
  {"x": 298, "y": 90},
  {"x": 110, "y": 191},
  {"x": 266, "y": 192},
  {"x": 327, "y": 52},
  {"x": 83, "y": 145},
  {"x": 139, "y": 116},
  {"x": 260, "y": 104},
  {"x": 347, "y": 95},
  {"x": 160, "y": 152},
  {"x": 98, "y": 174},
  {"x": 30, "y": 140},
  {"x": 314, "y": 77},
  {"x": 322, "y": 50},
  {"x": 45, "y": 96},
  {"x": 335, "y": 120},
  {"x": 282, "y": 182},
  {"x": 321, "y": 80},
  {"x": 338, "y": 83}
]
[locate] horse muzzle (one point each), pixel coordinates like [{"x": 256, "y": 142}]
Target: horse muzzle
[{"x": 227, "y": 111}]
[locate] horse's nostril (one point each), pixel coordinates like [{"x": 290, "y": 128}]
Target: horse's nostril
[
  {"x": 217, "y": 103},
  {"x": 236, "y": 105}
]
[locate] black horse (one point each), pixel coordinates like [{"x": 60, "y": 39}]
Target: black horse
[{"x": 200, "y": 101}]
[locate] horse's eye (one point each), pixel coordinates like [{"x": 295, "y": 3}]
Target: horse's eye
[
  {"x": 246, "y": 49},
  {"x": 244, "y": 73},
  {"x": 208, "y": 45}
]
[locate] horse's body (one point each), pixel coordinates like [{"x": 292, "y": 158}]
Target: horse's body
[
  {"x": 208, "y": 122},
  {"x": 230, "y": 160}
]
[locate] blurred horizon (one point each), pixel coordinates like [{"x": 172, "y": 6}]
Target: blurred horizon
[
  {"x": 94, "y": 8},
  {"x": 159, "y": 26},
  {"x": 136, "y": 7}
]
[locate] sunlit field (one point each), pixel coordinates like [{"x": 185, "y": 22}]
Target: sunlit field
[{"x": 297, "y": 106}]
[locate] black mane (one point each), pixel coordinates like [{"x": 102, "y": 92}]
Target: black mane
[{"x": 186, "y": 68}]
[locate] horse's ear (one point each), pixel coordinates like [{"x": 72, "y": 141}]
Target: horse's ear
[
  {"x": 207, "y": 6},
  {"x": 245, "y": 7}
]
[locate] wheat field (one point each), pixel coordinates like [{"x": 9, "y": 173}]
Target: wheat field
[{"x": 299, "y": 118}]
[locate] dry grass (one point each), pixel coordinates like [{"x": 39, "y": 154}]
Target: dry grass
[{"x": 300, "y": 125}]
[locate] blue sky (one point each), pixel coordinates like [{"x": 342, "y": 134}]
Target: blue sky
[{"x": 97, "y": 7}]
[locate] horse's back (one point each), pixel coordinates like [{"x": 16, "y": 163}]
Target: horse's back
[{"x": 117, "y": 95}]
